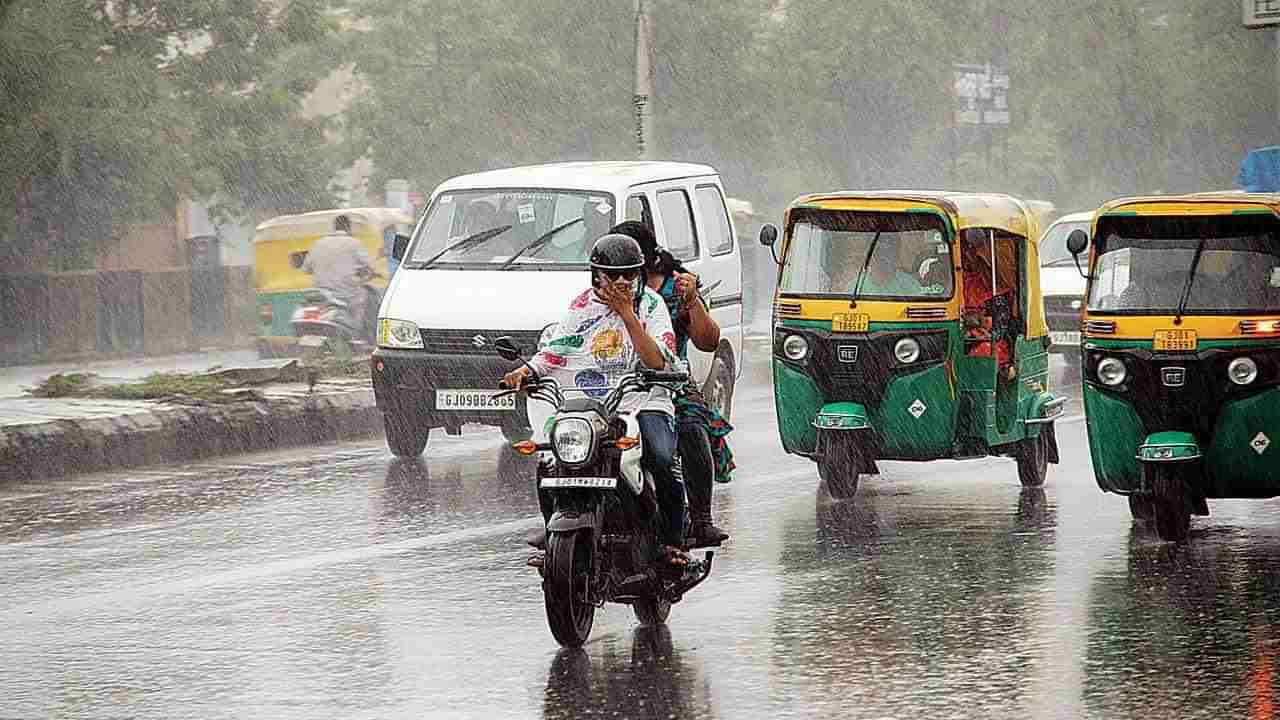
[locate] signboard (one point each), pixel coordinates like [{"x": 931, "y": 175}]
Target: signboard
[
  {"x": 982, "y": 94},
  {"x": 1261, "y": 13}
]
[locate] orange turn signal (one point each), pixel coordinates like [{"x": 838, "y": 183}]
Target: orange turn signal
[
  {"x": 626, "y": 443},
  {"x": 525, "y": 447}
]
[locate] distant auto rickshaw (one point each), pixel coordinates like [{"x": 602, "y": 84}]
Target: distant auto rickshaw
[
  {"x": 909, "y": 326},
  {"x": 1181, "y": 352},
  {"x": 280, "y": 246}
]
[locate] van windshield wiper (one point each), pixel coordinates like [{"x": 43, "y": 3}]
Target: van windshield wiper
[
  {"x": 1191, "y": 278},
  {"x": 468, "y": 241},
  {"x": 536, "y": 245},
  {"x": 853, "y": 302}
]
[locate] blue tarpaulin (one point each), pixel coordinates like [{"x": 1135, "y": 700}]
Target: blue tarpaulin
[{"x": 1260, "y": 170}]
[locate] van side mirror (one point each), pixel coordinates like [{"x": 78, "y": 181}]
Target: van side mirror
[
  {"x": 769, "y": 238},
  {"x": 399, "y": 246},
  {"x": 1077, "y": 243},
  {"x": 507, "y": 348}
]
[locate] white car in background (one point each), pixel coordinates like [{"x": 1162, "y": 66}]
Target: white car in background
[{"x": 1063, "y": 285}]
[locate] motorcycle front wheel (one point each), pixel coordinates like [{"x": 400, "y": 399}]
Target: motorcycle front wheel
[{"x": 566, "y": 587}]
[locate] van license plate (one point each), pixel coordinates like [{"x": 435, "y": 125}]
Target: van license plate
[
  {"x": 850, "y": 322},
  {"x": 474, "y": 400},
  {"x": 1174, "y": 340},
  {"x": 593, "y": 483}
]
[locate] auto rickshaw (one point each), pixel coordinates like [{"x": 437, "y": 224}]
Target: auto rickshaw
[
  {"x": 280, "y": 246},
  {"x": 909, "y": 326},
  {"x": 1181, "y": 352}
]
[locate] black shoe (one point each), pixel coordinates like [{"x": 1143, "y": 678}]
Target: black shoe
[
  {"x": 537, "y": 538},
  {"x": 705, "y": 534}
]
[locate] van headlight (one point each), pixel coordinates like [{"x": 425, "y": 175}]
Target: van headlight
[
  {"x": 572, "y": 440},
  {"x": 1111, "y": 371},
  {"x": 795, "y": 348},
  {"x": 398, "y": 334},
  {"x": 1242, "y": 371},
  {"x": 907, "y": 350}
]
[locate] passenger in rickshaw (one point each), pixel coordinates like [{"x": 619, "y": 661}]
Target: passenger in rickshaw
[{"x": 987, "y": 311}]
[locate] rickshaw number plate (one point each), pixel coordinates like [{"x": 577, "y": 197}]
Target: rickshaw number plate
[
  {"x": 1175, "y": 340},
  {"x": 850, "y": 322}
]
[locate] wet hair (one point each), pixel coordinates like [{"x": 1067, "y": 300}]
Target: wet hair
[
  {"x": 342, "y": 223},
  {"x": 656, "y": 259}
]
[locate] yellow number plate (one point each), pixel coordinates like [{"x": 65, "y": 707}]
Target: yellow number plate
[
  {"x": 850, "y": 322},
  {"x": 1175, "y": 340}
]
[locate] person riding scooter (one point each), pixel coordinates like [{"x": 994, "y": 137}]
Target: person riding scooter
[
  {"x": 609, "y": 328},
  {"x": 341, "y": 267}
]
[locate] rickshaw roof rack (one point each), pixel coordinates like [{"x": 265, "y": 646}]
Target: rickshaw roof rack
[
  {"x": 320, "y": 217},
  {"x": 614, "y": 175},
  {"x": 971, "y": 209}
]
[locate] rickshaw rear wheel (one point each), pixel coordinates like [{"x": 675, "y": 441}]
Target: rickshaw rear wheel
[
  {"x": 1141, "y": 507},
  {"x": 1033, "y": 461},
  {"x": 1172, "y": 512},
  {"x": 838, "y": 468}
]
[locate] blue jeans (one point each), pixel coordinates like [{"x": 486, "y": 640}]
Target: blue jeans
[{"x": 658, "y": 433}]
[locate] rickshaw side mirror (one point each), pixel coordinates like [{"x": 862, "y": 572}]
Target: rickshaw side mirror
[
  {"x": 1077, "y": 243},
  {"x": 399, "y": 246},
  {"x": 769, "y": 238}
]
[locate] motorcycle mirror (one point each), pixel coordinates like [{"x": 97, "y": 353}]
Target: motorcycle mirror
[
  {"x": 399, "y": 246},
  {"x": 769, "y": 238},
  {"x": 297, "y": 259},
  {"x": 507, "y": 348}
]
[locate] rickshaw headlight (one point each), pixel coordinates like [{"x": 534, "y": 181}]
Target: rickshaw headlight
[
  {"x": 1242, "y": 371},
  {"x": 398, "y": 334},
  {"x": 1111, "y": 371},
  {"x": 795, "y": 347},
  {"x": 907, "y": 350},
  {"x": 572, "y": 439}
]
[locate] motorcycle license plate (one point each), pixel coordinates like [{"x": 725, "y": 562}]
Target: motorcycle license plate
[
  {"x": 850, "y": 322},
  {"x": 592, "y": 483},
  {"x": 473, "y": 400},
  {"x": 1174, "y": 340},
  {"x": 311, "y": 341}
]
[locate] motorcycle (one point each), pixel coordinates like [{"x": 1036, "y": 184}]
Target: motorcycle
[
  {"x": 603, "y": 534},
  {"x": 324, "y": 323}
]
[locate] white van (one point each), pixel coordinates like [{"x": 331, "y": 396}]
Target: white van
[
  {"x": 1062, "y": 284},
  {"x": 503, "y": 253}
]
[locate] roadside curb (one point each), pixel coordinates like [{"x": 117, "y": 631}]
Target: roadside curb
[{"x": 175, "y": 433}]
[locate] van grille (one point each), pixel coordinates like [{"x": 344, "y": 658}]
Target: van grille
[{"x": 476, "y": 342}]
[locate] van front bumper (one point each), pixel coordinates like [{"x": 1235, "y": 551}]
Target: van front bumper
[{"x": 405, "y": 383}]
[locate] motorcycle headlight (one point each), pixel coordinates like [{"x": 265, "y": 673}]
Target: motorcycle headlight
[
  {"x": 398, "y": 334},
  {"x": 572, "y": 440},
  {"x": 795, "y": 347},
  {"x": 1242, "y": 371},
  {"x": 1111, "y": 371},
  {"x": 907, "y": 350}
]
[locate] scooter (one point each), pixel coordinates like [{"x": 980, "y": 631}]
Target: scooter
[
  {"x": 324, "y": 323},
  {"x": 604, "y": 533}
]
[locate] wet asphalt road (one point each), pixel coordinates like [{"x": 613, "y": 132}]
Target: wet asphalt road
[{"x": 338, "y": 582}]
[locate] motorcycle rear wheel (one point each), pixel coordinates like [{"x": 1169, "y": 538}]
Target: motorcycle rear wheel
[{"x": 566, "y": 587}]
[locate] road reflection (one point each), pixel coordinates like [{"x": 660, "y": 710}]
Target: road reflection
[
  {"x": 913, "y": 597},
  {"x": 655, "y": 680},
  {"x": 1188, "y": 630}
]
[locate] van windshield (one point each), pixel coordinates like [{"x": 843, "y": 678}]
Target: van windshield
[
  {"x": 537, "y": 227},
  {"x": 885, "y": 255}
]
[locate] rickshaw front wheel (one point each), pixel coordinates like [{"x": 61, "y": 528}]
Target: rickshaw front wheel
[
  {"x": 838, "y": 467},
  {"x": 1172, "y": 511},
  {"x": 1033, "y": 461},
  {"x": 1141, "y": 507}
]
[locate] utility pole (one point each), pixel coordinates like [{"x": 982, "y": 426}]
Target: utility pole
[{"x": 642, "y": 95}]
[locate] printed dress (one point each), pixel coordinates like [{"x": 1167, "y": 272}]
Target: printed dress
[
  {"x": 591, "y": 349},
  {"x": 690, "y": 404}
]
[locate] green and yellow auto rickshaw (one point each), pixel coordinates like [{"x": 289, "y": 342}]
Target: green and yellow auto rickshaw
[
  {"x": 281, "y": 243},
  {"x": 909, "y": 326},
  {"x": 1181, "y": 352}
]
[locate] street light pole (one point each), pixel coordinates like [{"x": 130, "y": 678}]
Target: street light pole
[{"x": 642, "y": 95}]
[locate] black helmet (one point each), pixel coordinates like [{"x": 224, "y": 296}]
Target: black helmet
[{"x": 615, "y": 253}]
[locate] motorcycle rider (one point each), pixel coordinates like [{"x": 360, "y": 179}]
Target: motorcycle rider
[
  {"x": 609, "y": 328},
  {"x": 704, "y": 450},
  {"x": 341, "y": 266}
]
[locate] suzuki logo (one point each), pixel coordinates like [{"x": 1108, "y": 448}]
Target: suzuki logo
[
  {"x": 848, "y": 353},
  {"x": 1173, "y": 376},
  {"x": 479, "y": 341}
]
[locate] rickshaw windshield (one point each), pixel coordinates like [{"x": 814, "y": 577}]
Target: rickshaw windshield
[
  {"x": 872, "y": 255},
  {"x": 526, "y": 227},
  {"x": 1144, "y": 265}
]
